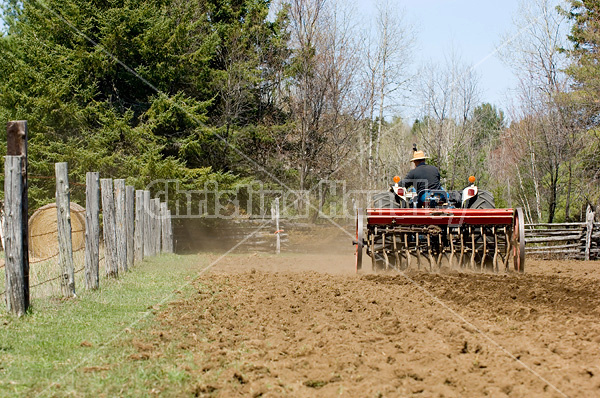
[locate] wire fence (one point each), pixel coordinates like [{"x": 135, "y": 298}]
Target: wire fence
[
  {"x": 44, "y": 274},
  {"x": 45, "y": 254},
  {"x": 152, "y": 221}
]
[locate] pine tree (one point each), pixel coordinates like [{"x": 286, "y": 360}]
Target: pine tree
[
  {"x": 127, "y": 87},
  {"x": 585, "y": 72}
]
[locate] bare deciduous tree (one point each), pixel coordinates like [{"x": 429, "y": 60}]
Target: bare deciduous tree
[
  {"x": 449, "y": 95},
  {"x": 549, "y": 135},
  {"x": 324, "y": 96},
  {"x": 387, "y": 57}
]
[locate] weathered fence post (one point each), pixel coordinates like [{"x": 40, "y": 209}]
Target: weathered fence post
[
  {"x": 275, "y": 216},
  {"x": 157, "y": 225},
  {"x": 13, "y": 211},
  {"x": 16, "y": 145},
  {"x": 589, "y": 219},
  {"x": 147, "y": 225},
  {"x": 108, "y": 218},
  {"x": 163, "y": 227},
  {"x": 129, "y": 220},
  {"x": 121, "y": 227},
  {"x": 169, "y": 232},
  {"x": 150, "y": 236},
  {"x": 139, "y": 227},
  {"x": 65, "y": 245},
  {"x": 166, "y": 228},
  {"x": 92, "y": 229}
]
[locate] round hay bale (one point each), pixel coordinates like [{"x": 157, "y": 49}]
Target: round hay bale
[{"x": 43, "y": 234}]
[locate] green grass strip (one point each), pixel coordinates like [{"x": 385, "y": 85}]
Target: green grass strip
[{"x": 44, "y": 351}]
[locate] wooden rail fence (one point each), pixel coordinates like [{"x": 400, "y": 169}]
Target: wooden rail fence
[{"x": 577, "y": 240}]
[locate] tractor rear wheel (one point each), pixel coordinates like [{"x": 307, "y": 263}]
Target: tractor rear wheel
[
  {"x": 484, "y": 200},
  {"x": 384, "y": 200},
  {"x": 387, "y": 200}
]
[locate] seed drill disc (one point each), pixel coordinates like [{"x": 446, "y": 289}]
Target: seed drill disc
[
  {"x": 519, "y": 240},
  {"x": 359, "y": 239}
]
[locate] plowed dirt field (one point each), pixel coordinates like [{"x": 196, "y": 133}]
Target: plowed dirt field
[{"x": 305, "y": 325}]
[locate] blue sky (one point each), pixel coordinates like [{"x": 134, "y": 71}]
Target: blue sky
[{"x": 473, "y": 28}]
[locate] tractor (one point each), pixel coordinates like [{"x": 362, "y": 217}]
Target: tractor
[{"x": 457, "y": 229}]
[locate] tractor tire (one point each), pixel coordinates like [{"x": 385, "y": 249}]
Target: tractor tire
[
  {"x": 483, "y": 200},
  {"x": 387, "y": 200}
]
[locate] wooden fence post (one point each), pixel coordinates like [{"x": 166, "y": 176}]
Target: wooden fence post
[
  {"x": 65, "y": 245},
  {"x": 589, "y": 219},
  {"x": 155, "y": 230},
  {"x": 147, "y": 225},
  {"x": 275, "y": 216},
  {"x": 92, "y": 229},
  {"x": 129, "y": 221},
  {"x": 121, "y": 227},
  {"x": 163, "y": 227},
  {"x": 139, "y": 226},
  {"x": 16, "y": 145},
  {"x": 169, "y": 232},
  {"x": 110, "y": 238},
  {"x": 157, "y": 226},
  {"x": 150, "y": 230},
  {"x": 13, "y": 211}
]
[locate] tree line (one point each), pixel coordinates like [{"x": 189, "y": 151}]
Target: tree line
[{"x": 293, "y": 92}]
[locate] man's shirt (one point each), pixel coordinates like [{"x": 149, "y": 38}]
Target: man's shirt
[{"x": 423, "y": 177}]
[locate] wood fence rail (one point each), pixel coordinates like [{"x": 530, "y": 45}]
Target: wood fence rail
[{"x": 577, "y": 240}]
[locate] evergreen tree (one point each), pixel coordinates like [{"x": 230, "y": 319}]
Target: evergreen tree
[
  {"x": 134, "y": 88},
  {"x": 585, "y": 37},
  {"x": 585, "y": 94}
]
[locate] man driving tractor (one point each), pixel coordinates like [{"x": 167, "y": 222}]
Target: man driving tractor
[{"x": 423, "y": 177}]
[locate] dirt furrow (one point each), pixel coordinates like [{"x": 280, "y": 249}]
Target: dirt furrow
[{"x": 265, "y": 326}]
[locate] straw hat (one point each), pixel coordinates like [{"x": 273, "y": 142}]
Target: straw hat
[{"x": 419, "y": 155}]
